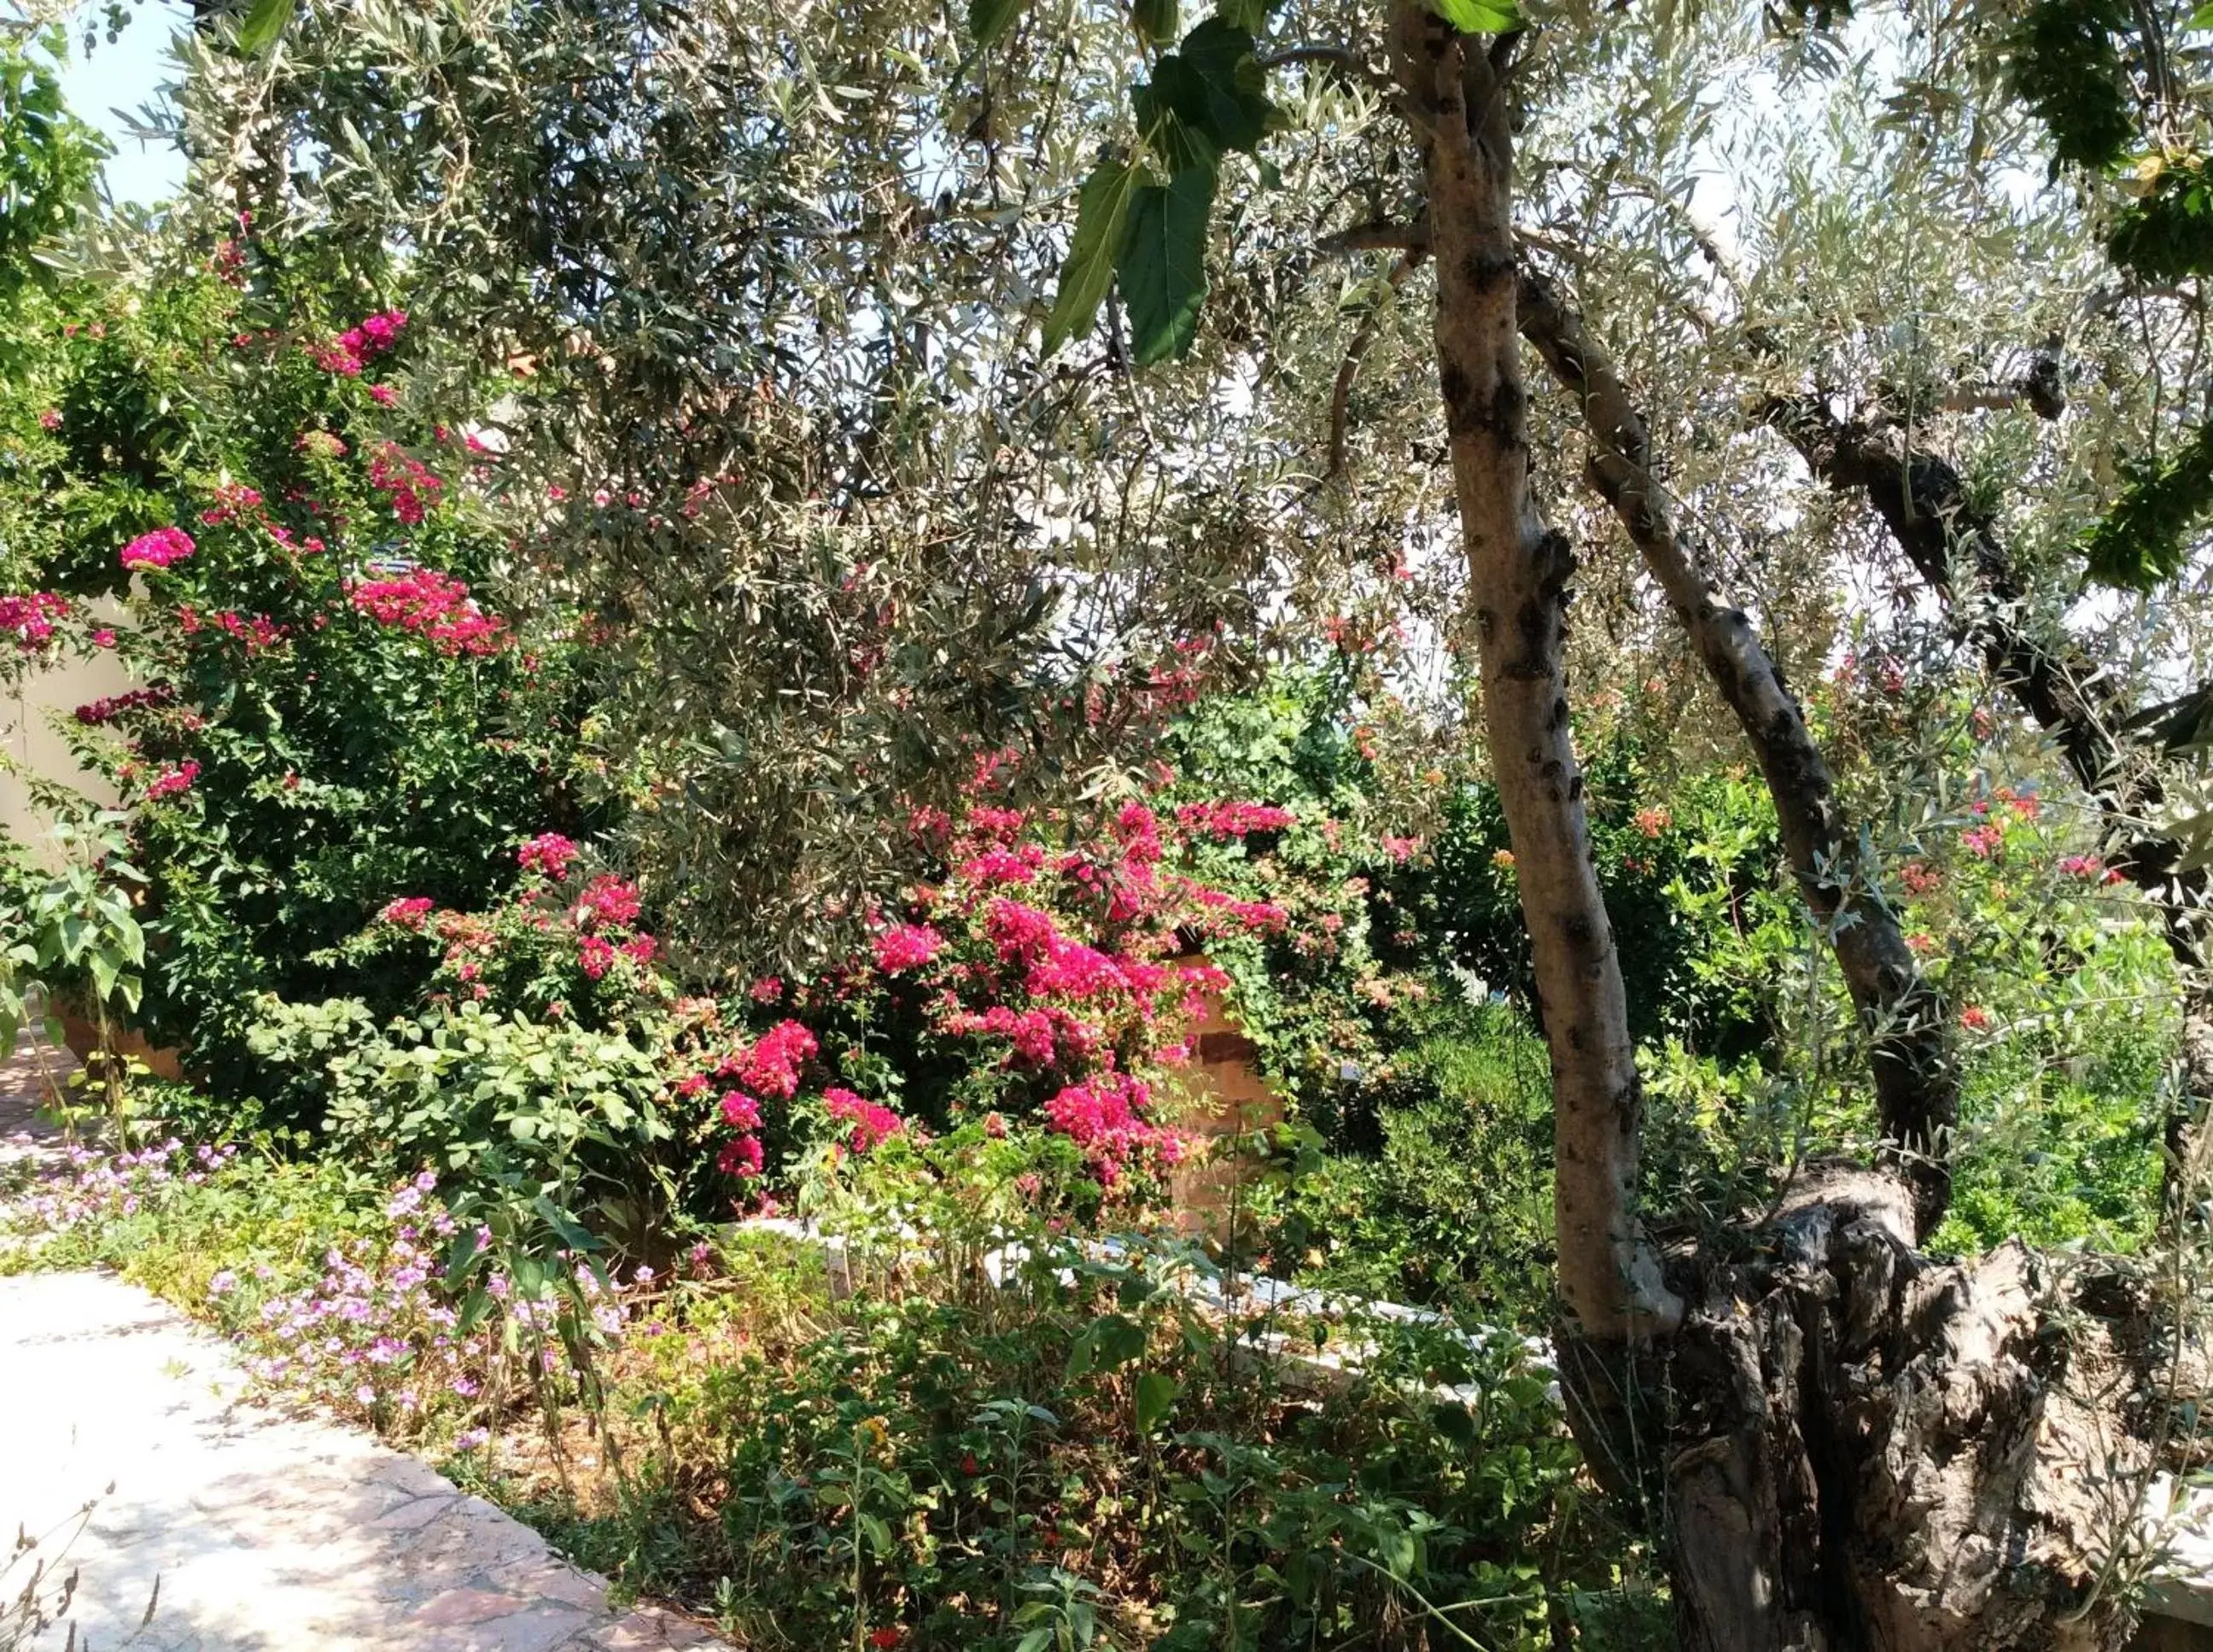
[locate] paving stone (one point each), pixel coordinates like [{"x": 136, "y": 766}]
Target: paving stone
[{"x": 265, "y": 1535}]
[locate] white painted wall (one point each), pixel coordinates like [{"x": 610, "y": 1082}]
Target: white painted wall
[{"x": 27, "y": 735}]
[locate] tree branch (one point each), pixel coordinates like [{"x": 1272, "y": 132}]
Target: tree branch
[
  {"x": 1916, "y": 1080},
  {"x": 1380, "y": 235},
  {"x": 1922, "y": 501},
  {"x": 1364, "y": 339},
  {"x": 1336, "y": 57}
]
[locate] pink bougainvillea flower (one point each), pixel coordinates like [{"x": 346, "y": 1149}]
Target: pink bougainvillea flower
[
  {"x": 1229, "y": 820},
  {"x": 29, "y": 619},
  {"x": 772, "y": 1064},
  {"x": 408, "y": 912},
  {"x": 908, "y": 947},
  {"x": 608, "y": 902},
  {"x": 549, "y": 854},
  {"x": 432, "y": 604},
  {"x": 158, "y": 549},
  {"x": 872, "y": 1125},
  {"x": 170, "y": 782}
]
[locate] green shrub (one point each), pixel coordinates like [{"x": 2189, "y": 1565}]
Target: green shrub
[{"x": 1456, "y": 1205}]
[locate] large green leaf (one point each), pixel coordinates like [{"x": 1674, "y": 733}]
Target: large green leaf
[
  {"x": 1162, "y": 266},
  {"x": 989, "y": 19},
  {"x": 1480, "y": 17},
  {"x": 263, "y": 24},
  {"x": 1101, "y": 213},
  {"x": 1155, "y": 1395},
  {"x": 1154, "y": 19},
  {"x": 1208, "y": 95}
]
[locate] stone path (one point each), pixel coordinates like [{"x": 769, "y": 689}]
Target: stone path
[
  {"x": 264, "y": 1534},
  {"x": 28, "y": 1141}
]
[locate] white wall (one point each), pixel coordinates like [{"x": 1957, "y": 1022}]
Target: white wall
[{"x": 27, "y": 736}]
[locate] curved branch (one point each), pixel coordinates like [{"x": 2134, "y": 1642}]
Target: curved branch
[
  {"x": 1916, "y": 1080},
  {"x": 1364, "y": 339}
]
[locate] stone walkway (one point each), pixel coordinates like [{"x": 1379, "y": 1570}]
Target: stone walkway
[{"x": 263, "y": 1534}]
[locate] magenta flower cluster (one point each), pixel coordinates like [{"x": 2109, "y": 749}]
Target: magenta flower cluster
[
  {"x": 158, "y": 549},
  {"x": 432, "y": 604},
  {"x": 29, "y": 619}
]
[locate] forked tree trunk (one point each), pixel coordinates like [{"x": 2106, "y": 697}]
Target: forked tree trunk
[
  {"x": 1870, "y": 1449},
  {"x": 1859, "y": 1448}
]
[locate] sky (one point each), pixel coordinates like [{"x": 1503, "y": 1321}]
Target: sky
[{"x": 125, "y": 76}]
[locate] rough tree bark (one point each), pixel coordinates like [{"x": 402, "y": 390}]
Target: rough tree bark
[
  {"x": 1875, "y": 1450},
  {"x": 1859, "y": 1448},
  {"x": 1923, "y": 503},
  {"x": 1518, "y": 574},
  {"x": 1915, "y": 1081}
]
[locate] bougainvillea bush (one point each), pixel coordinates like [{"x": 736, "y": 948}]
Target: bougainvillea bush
[{"x": 333, "y": 704}]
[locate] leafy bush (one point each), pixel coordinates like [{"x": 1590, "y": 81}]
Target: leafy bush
[
  {"x": 1077, "y": 1455},
  {"x": 1456, "y": 1205},
  {"x": 331, "y": 712}
]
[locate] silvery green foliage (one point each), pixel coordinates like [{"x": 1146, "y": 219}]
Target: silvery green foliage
[{"x": 816, "y": 249}]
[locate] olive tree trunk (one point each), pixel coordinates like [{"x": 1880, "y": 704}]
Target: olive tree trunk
[
  {"x": 1857, "y": 1447},
  {"x": 1518, "y": 574}
]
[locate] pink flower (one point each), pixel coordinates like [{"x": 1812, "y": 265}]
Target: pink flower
[
  {"x": 767, "y": 989},
  {"x": 771, "y": 1066},
  {"x": 30, "y": 618},
  {"x": 1105, "y": 1117},
  {"x": 872, "y": 1125},
  {"x": 1227, "y": 820},
  {"x": 1985, "y": 840},
  {"x": 383, "y": 395},
  {"x": 548, "y": 854},
  {"x": 51, "y": 419},
  {"x": 594, "y": 956},
  {"x": 103, "y": 638},
  {"x": 908, "y": 947},
  {"x": 740, "y": 1110},
  {"x": 407, "y": 913},
  {"x": 412, "y": 486},
  {"x": 432, "y": 604},
  {"x": 159, "y": 549},
  {"x": 739, "y": 1158},
  {"x": 1975, "y": 1018},
  {"x": 170, "y": 782},
  {"x": 608, "y": 902}
]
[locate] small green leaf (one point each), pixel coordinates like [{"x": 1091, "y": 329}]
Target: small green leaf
[
  {"x": 263, "y": 25},
  {"x": 1154, "y": 19},
  {"x": 2201, "y": 18},
  {"x": 1162, "y": 264},
  {"x": 1480, "y": 17},
  {"x": 1082, "y": 1352},
  {"x": 1101, "y": 213},
  {"x": 990, "y": 19},
  {"x": 1156, "y": 1396}
]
